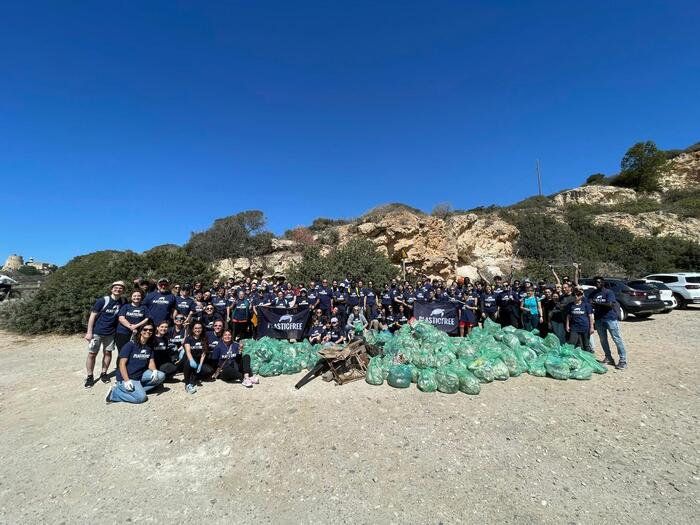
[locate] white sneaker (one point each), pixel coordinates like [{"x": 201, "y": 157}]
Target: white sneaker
[
  {"x": 247, "y": 383},
  {"x": 254, "y": 379}
]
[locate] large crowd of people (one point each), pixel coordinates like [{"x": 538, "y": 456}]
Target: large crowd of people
[{"x": 164, "y": 329}]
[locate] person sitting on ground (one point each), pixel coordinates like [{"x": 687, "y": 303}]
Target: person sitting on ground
[
  {"x": 579, "y": 322},
  {"x": 163, "y": 354},
  {"x": 137, "y": 373},
  {"x": 231, "y": 364},
  {"x": 334, "y": 334},
  {"x": 196, "y": 349},
  {"x": 356, "y": 316},
  {"x": 317, "y": 332},
  {"x": 102, "y": 325}
]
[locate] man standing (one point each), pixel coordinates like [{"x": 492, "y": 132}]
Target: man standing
[
  {"x": 161, "y": 303},
  {"x": 606, "y": 320},
  {"x": 102, "y": 324}
]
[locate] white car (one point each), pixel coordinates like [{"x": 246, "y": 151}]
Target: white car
[
  {"x": 665, "y": 293},
  {"x": 685, "y": 286}
]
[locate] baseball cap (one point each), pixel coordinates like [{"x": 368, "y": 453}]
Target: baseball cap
[
  {"x": 334, "y": 320},
  {"x": 163, "y": 280}
]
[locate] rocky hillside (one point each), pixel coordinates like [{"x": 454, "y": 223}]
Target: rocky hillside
[{"x": 462, "y": 243}]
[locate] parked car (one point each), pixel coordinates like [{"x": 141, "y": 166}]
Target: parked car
[
  {"x": 665, "y": 292},
  {"x": 636, "y": 302},
  {"x": 685, "y": 286}
]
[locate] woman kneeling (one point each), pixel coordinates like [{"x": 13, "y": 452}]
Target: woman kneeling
[{"x": 137, "y": 373}]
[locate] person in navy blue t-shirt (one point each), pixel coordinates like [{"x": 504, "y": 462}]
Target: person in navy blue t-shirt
[
  {"x": 325, "y": 297},
  {"x": 137, "y": 373},
  {"x": 605, "y": 311},
  {"x": 230, "y": 363},
  {"x": 579, "y": 322},
  {"x": 161, "y": 303},
  {"x": 185, "y": 305},
  {"x": 132, "y": 316},
  {"x": 101, "y": 328},
  {"x": 489, "y": 303}
]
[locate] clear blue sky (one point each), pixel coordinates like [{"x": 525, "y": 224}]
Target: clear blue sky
[{"x": 131, "y": 124}]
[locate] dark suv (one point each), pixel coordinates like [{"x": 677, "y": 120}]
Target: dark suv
[{"x": 639, "y": 303}]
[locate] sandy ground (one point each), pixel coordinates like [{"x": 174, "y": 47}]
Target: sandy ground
[{"x": 620, "y": 448}]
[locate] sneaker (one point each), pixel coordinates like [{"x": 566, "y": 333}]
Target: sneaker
[
  {"x": 621, "y": 365},
  {"x": 104, "y": 377},
  {"x": 191, "y": 389},
  {"x": 89, "y": 381},
  {"x": 108, "y": 397},
  {"x": 247, "y": 383},
  {"x": 255, "y": 380},
  {"x": 608, "y": 361}
]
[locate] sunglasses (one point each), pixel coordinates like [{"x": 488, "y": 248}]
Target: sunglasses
[{"x": 147, "y": 330}]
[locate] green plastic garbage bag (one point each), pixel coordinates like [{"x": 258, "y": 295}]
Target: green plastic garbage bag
[
  {"x": 447, "y": 380},
  {"x": 583, "y": 372},
  {"x": 510, "y": 340},
  {"x": 589, "y": 359},
  {"x": 516, "y": 365},
  {"x": 468, "y": 383},
  {"x": 414, "y": 373},
  {"x": 552, "y": 341},
  {"x": 273, "y": 368},
  {"x": 482, "y": 369},
  {"x": 375, "y": 374},
  {"x": 536, "y": 367},
  {"x": 400, "y": 376},
  {"x": 491, "y": 326},
  {"x": 426, "y": 380},
  {"x": 500, "y": 370},
  {"x": 556, "y": 367}
]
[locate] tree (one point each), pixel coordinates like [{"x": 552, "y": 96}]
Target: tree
[
  {"x": 442, "y": 210},
  {"x": 64, "y": 300},
  {"x": 239, "y": 235},
  {"x": 596, "y": 179},
  {"x": 641, "y": 167},
  {"x": 359, "y": 257}
]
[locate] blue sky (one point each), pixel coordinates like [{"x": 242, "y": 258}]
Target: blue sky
[{"x": 132, "y": 124}]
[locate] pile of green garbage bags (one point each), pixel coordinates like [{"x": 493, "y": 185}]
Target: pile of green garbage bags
[
  {"x": 273, "y": 357},
  {"x": 437, "y": 362}
]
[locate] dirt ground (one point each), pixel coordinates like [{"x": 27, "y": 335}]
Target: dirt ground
[{"x": 621, "y": 448}]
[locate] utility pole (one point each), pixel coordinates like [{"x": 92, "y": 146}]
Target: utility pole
[{"x": 539, "y": 179}]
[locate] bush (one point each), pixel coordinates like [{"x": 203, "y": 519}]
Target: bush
[
  {"x": 536, "y": 202},
  {"x": 62, "y": 304},
  {"x": 641, "y": 167},
  {"x": 329, "y": 237},
  {"x": 300, "y": 235},
  {"x": 596, "y": 179},
  {"x": 28, "y": 271},
  {"x": 378, "y": 213},
  {"x": 358, "y": 257},
  {"x": 544, "y": 240},
  {"x": 321, "y": 223},
  {"x": 239, "y": 235},
  {"x": 442, "y": 210}
]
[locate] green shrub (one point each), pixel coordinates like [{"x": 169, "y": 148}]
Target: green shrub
[
  {"x": 544, "y": 240},
  {"x": 641, "y": 167},
  {"x": 28, "y": 271},
  {"x": 596, "y": 179},
  {"x": 358, "y": 257},
  {"x": 322, "y": 223},
  {"x": 62, "y": 304},
  {"x": 536, "y": 202},
  {"x": 239, "y": 235}
]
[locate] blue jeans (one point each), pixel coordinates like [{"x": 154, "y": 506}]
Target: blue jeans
[
  {"x": 119, "y": 393},
  {"x": 603, "y": 326}
]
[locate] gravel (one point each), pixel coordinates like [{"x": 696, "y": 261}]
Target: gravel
[{"x": 622, "y": 447}]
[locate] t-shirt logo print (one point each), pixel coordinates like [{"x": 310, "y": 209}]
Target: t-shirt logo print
[{"x": 288, "y": 318}]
